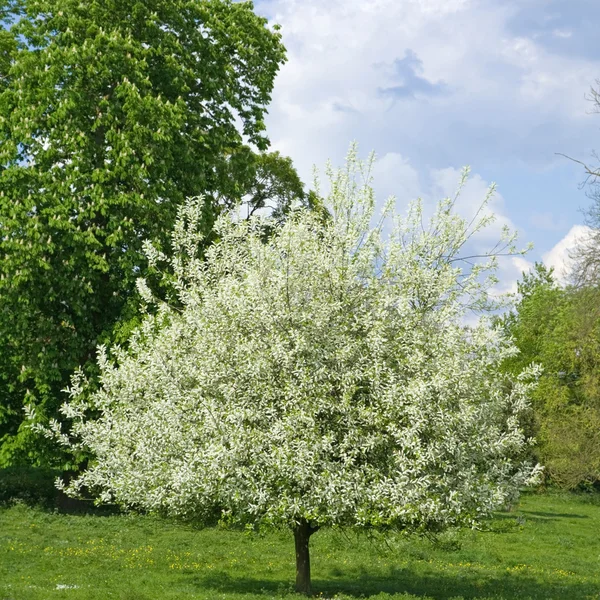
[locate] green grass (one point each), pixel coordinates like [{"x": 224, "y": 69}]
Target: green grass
[{"x": 549, "y": 547}]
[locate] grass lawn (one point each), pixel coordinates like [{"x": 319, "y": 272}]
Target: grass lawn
[{"x": 548, "y": 547}]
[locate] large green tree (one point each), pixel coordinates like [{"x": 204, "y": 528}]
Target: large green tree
[
  {"x": 112, "y": 112},
  {"x": 264, "y": 182},
  {"x": 559, "y": 328}
]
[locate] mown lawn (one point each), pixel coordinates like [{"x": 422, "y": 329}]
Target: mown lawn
[{"x": 548, "y": 547}]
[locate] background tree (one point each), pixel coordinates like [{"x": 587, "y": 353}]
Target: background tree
[
  {"x": 559, "y": 328},
  {"x": 111, "y": 113},
  {"x": 266, "y": 182},
  {"x": 321, "y": 378}
]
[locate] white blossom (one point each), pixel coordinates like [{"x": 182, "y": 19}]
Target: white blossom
[{"x": 324, "y": 375}]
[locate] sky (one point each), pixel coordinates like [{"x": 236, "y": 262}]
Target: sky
[{"x": 433, "y": 85}]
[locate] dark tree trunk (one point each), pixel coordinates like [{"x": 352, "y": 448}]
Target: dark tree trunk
[{"x": 302, "y": 533}]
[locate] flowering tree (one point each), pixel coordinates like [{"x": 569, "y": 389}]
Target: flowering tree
[{"x": 323, "y": 377}]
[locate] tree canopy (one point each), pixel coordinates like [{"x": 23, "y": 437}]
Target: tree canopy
[
  {"x": 321, "y": 377},
  {"x": 559, "y": 328},
  {"x": 111, "y": 113}
]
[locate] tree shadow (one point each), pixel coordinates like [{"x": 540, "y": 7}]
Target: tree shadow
[
  {"x": 35, "y": 487},
  {"x": 552, "y": 515},
  {"x": 439, "y": 585},
  {"x": 65, "y": 505}
]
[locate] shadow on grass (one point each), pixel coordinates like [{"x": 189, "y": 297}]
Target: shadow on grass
[
  {"x": 437, "y": 585},
  {"x": 66, "y": 505},
  {"x": 552, "y": 515},
  {"x": 36, "y": 487},
  {"x": 504, "y": 522}
]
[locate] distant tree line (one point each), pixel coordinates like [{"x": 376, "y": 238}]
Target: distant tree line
[{"x": 559, "y": 328}]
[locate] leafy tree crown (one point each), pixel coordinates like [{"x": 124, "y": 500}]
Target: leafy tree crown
[{"x": 112, "y": 112}]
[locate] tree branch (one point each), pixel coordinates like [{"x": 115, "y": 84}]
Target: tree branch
[{"x": 590, "y": 172}]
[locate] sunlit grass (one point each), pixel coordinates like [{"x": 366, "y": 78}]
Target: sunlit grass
[{"x": 549, "y": 547}]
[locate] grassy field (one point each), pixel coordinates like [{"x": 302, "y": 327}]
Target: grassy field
[{"x": 548, "y": 547}]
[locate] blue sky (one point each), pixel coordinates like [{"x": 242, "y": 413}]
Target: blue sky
[{"x": 433, "y": 85}]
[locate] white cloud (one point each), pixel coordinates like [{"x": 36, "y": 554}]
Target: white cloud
[
  {"x": 445, "y": 182},
  {"x": 558, "y": 257},
  {"x": 498, "y": 85},
  {"x": 393, "y": 175},
  {"x": 562, "y": 33},
  {"x": 463, "y": 81},
  {"x": 511, "y": 271}
]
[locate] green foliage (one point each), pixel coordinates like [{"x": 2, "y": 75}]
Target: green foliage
[
  {"x": 261, "y": 181},
  {"x": 547, "y": 547},
  {"x": 559, "y": 328},
  {"x": 111, "y": 113},
  {"x": 275, "y": 180}
]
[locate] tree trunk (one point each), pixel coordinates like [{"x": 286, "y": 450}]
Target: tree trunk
[{"x": 302, "y": 533}]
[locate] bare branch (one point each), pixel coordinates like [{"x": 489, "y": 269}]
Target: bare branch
[{"x": 590, "y": 172}]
